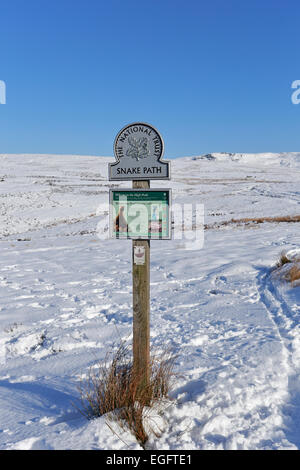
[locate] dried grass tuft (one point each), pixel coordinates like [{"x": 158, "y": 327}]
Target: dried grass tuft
[
  {"x": 288, "y": 269},
  {"x": 282, "y": 260},
  {"x": 116, "y": 390},
  {"x": 294, "y": 274}
]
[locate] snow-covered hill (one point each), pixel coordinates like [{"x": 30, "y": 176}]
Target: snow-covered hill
[{"x": 66, "y": 298}]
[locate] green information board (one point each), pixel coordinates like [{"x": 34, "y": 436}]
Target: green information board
[{"x": 140, "y": 214}]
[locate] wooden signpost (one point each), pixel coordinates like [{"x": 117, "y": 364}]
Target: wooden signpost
[
  {"x": 141, "y": 304},
  {"x": 141, "y": 214}
]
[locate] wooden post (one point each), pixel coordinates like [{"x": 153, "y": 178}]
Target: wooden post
[{"x": 141, "y": 305}]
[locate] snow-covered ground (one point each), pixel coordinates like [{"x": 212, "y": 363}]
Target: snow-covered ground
[{"x": 65, "y": 300}]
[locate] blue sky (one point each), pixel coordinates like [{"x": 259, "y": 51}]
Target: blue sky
[{"x": 211, "y": 76}]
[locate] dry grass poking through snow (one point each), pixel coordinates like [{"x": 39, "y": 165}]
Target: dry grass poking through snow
[
  {"x": 288, "y": 269},
  {"x": 261, "y": 220},
  {"x": 294, "y": 274},
  {"x": 283, "y": 259},
  {"x": 252, "y": 221},
  {"x": 112, "y": 388}
]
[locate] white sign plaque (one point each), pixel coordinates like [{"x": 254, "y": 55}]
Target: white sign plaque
[
  {"x": 139, "y": 255},
  {"x": 138, "y": 149}
]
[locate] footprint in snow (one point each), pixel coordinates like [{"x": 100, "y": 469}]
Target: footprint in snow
[
  {"x": 169, "y": 276},
  {"x": 31, "y": 443}
]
